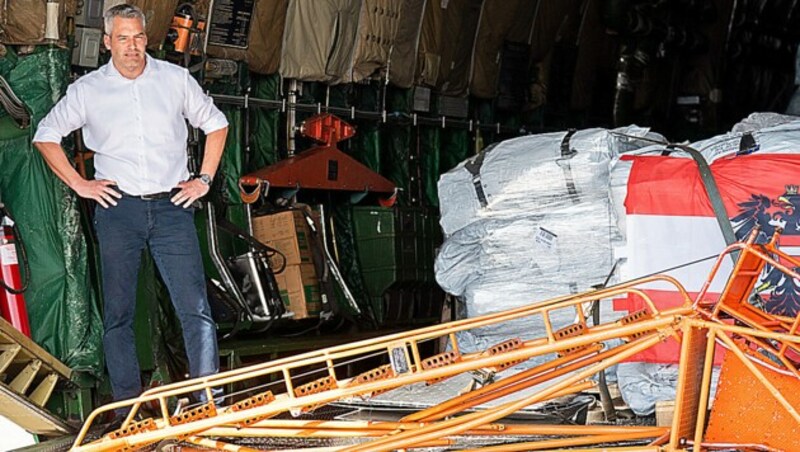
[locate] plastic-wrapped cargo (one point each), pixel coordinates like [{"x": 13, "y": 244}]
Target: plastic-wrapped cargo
[
  {"x": 764, "y": 146},
  {"x": 667, "y": 221},
  {"x": 526, "y": 220}
]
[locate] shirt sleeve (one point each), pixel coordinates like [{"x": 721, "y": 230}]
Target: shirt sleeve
[
  {"x": 66, "y": 116},
  {"x": 199, "y": 108}
]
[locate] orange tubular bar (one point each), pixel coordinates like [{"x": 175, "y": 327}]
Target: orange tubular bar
[{"x": 567, "y": 442}]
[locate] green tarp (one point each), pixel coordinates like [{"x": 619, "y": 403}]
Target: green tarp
[{"x": 62, "y": 305}]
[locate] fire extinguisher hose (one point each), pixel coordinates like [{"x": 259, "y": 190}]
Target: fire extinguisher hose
[{"x": 4, "y": 213}]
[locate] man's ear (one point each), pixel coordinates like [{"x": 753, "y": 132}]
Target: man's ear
[{"x": 107, "y": 41}]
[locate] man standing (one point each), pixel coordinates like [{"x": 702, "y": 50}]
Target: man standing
[{"x": 132, "y": 113}]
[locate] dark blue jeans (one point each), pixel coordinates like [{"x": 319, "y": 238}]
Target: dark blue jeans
[{"x": 168, "y": 231}]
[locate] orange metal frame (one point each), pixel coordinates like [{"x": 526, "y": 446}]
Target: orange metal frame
[{"x": 763, "y": 344}]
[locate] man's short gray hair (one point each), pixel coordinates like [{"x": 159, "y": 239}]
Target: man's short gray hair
[{"x": 123, "y": 10}]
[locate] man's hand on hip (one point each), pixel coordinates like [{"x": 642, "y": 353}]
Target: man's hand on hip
[
  {"x": 99, "y": 190},
  {"x": 190, "y": 191}
]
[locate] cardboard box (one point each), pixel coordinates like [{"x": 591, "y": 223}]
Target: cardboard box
[
  {"x": 665, "y": 410},
  {"x": 299, "y": 288},
  {"x": 288, "y": 233}
]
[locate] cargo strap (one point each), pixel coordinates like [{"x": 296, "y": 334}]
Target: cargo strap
[
  {"x": 474, "y": 167},
  {"x": 710, "y": 185},
  {"x": 747, "y": 145},
  {"x": 563, "y": 162}
]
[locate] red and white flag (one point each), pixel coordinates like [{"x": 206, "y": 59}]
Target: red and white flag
[{"x": 670, "y": 222}]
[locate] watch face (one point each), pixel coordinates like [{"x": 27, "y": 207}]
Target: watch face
[{"x": 205, "y": 178}]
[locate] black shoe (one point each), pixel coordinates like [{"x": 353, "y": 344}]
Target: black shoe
[
  {"x": 117, "y": 420},
  {"x": 115, "y": 424}
]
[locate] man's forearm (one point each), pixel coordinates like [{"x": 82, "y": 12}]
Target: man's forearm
[
  {"x": 215, "y": 145},
  {"x": 57, "y": 160}
]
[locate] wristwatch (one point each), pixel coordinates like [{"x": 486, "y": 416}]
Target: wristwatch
[{"x": 206, "y": 179}]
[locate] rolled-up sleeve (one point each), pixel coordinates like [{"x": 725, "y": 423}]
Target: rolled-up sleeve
[
  {"x": 199, "y": 108},
  {"x": 66, "y": 116}
]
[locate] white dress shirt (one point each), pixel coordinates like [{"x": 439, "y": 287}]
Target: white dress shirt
[{"x": 135, "y": 127}]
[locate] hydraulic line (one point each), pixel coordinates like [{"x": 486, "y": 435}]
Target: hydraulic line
[
  {"x": 13, "y": 105},
  {"x": 6, "y": 220}
]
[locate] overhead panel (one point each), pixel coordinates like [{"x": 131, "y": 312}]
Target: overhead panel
[
  {"x": 229, "y": 26},
  {"x": 318, "y": 39},
  {"x": 502, "y": 21},
  {"x": 403, "y": 58},
  {"x": 89, "y": 13}
]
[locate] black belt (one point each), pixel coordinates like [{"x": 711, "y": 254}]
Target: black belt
[{"x": 150, "y": 196}]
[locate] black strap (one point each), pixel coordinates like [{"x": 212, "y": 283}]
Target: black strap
[
  {"x": 322, "y": 268},
  {"x": 474, "y": 168},
  {"x": 747, "y": 144},
  {"x": 563, "y": 162}
]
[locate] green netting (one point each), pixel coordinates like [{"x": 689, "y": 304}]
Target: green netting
[
  {"x": 430, "y": 144},
  {"x": 366, "y": 145},
  {"x": 397, "y": 150},
  {"x": 348, "y": 261},
  {"x": 62, "y": 306},
  {"x": 455, "y": 148},
  {"x": 230, "y": 167},
  {"x": 264, "y": 123}
]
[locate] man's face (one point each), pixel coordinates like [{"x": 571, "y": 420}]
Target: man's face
[{"x": 127, "y": 45}]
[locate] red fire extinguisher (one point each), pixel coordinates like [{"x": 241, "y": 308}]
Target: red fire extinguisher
[{"x": 12, "y": 302}]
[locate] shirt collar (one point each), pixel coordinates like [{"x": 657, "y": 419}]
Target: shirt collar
[{"x": 111, "y": 71}]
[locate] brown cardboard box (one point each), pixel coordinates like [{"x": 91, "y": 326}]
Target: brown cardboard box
[
  {"x": 300, "y": 291},
  {"x": 288, "y": 233},
  {"x": 665, "y": 411}
]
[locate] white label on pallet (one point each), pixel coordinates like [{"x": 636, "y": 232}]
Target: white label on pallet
[
  {"x": 8, "y": 254},
  {"x": 545, "y": 238}
]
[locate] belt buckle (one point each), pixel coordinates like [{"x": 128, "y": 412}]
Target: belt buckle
[{"x": 154, "y": 196}]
